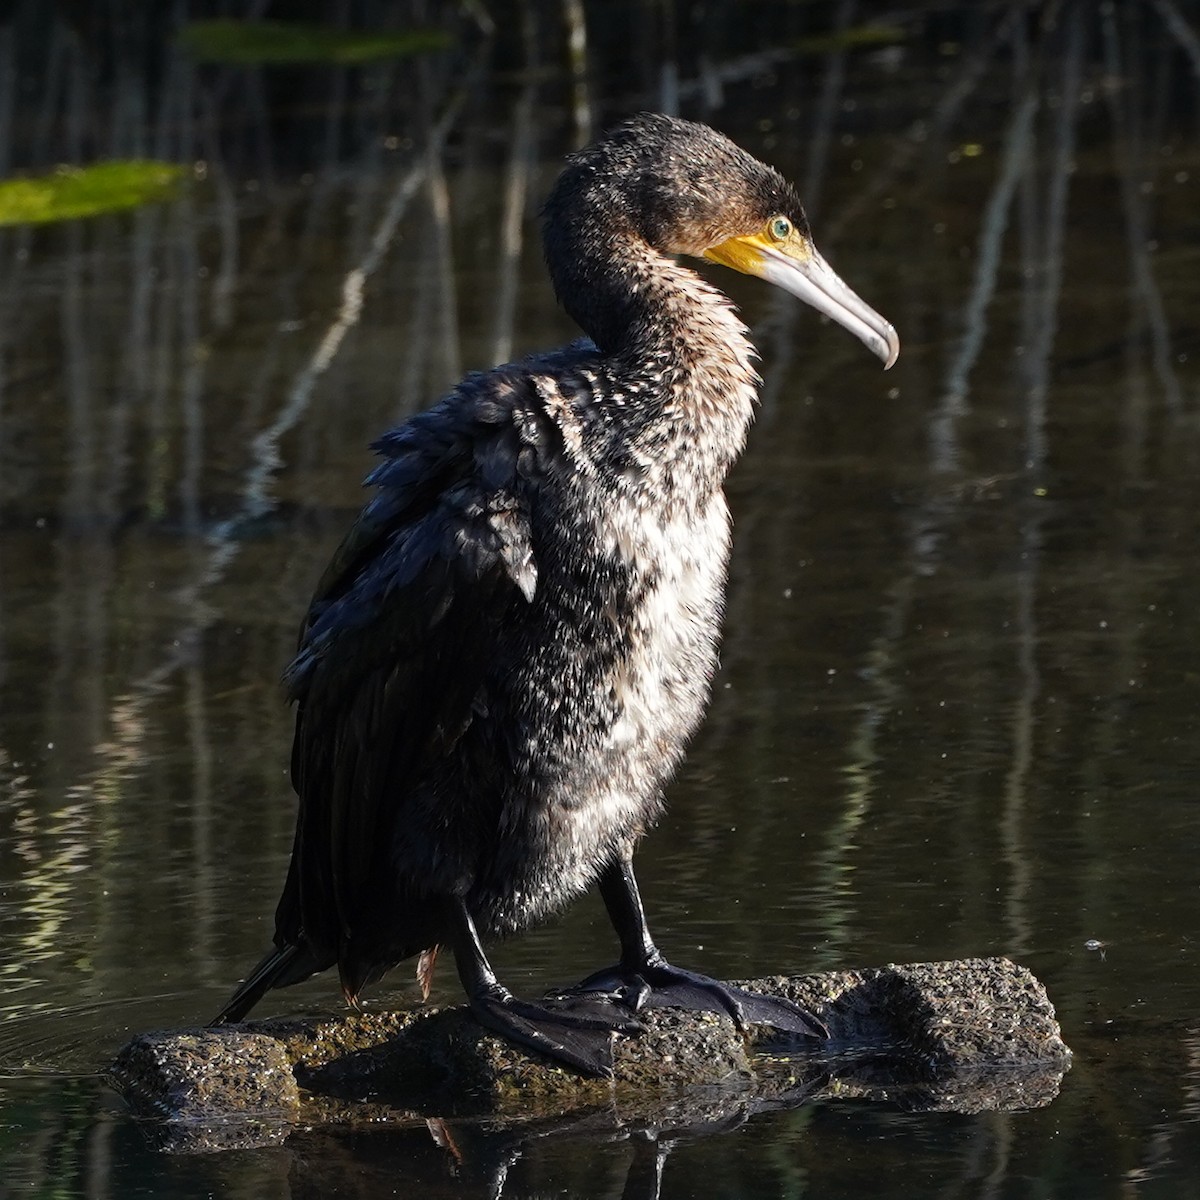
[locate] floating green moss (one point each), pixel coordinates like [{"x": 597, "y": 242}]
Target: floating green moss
[
  {"x": 72, "y": 192},
  {"x": 856, "y": 38},
  {"x": 269, "y": 43}
]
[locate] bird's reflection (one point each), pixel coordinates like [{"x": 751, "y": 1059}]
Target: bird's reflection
[{"x": 471, "y": 1157}]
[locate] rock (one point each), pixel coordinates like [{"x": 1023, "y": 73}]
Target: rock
[
  {"x": 198, "y": 1081},
  {"x": 963, "y": 1035}
]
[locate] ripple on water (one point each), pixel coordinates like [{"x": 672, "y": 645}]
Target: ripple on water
[{"x": 47, "y": 1041}]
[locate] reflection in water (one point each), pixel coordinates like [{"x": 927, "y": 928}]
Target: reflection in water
[
  {"x": 956, "y": 708},
  {"x": 469, "y": 1158}
]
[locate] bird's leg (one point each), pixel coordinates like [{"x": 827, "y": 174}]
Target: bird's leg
[
  {"x": 643, "y": 977},
  {"x": 579, "y": 1035}
]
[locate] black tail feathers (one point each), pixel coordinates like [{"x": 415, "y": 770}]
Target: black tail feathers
[{"x": 283, "y": 966}]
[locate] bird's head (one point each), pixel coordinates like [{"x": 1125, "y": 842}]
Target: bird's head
[{"x": 686, "y": 189}]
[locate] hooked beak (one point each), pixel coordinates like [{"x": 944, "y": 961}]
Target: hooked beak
[{"x": 795, "y": 265}]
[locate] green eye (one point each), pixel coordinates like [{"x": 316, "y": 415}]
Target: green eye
[{"x": 780, "y": 228}]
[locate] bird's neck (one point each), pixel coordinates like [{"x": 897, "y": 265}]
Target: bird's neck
[{"x": 663, "y": 327}]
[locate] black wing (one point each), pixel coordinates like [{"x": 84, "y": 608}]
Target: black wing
[{"x": 390, "y": 667}]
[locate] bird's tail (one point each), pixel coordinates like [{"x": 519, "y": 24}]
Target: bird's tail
[{"x": 288, "y": 964}]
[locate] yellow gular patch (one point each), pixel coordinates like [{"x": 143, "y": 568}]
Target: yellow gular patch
[{"x": 745, "y": 253}]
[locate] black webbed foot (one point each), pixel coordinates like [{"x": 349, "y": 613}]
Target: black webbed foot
[
  {"x": 655, "y": 983},
  {"x": 644, "y": 978},
  {"x": 576, "y": 1029}
]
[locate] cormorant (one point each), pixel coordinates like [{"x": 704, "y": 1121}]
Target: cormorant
[{"x": 504, "y": 662}]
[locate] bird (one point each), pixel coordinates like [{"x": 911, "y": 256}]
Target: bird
[{"x": 503, "y": 664}]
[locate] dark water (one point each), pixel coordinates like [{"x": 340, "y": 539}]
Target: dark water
[{"x": 957, "y": 712}]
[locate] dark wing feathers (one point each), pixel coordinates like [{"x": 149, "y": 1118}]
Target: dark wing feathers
[
  {"x": 391, "y": 664},
  {"x": 421, "y": 459}
]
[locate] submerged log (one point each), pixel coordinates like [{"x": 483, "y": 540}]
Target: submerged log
[{"x": 964, "y": 1035}]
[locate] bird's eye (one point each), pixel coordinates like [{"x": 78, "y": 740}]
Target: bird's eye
[{"x": 779, "y": 228}]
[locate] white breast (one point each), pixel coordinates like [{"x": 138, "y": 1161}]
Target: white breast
[{"x": 678, "y": 563}]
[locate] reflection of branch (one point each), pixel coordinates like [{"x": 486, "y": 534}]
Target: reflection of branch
[
  {"x": 927, "y": 523},
  {"x": 924, "y": 534},
  {"x": 1048, "y": 262},
  {"x": 223, "y": 542},
  {"x": 577, "y": 52},
  {"x": 413, "y": 369},
  {"x": 265, "y": 449},
  {"x": 202, "y": 924},
  {"x": 516, "y": 191},
  {"x": 668, "y": 64},
  {"x": 512, "y": 226},
  {"x": 827, "y": 108},
  {"x": 443, "y": 264},
  {"x": 61, "y": 44},
  {"x": 1183, "y": 33},
  {"x": 942, "y": 426},
  {"x": 1152, "y": 314},
  {"x": 1044, "y": 326},
  {"x": 8, "y": 87},
  {"x": 924, "y": 129},
  {"x": 834, "y": 859},
  {"x": 734, "y": 70}
]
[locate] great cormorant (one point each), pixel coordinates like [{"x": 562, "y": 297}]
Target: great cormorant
[{"x": 504, "y": 662}]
